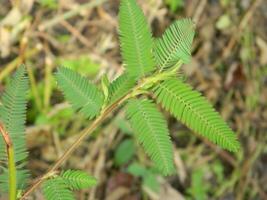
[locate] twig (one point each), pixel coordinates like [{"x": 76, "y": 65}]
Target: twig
[
  {"x": 11, "y": 164},
  {"x": 73, "y": 147},
  {"x": 103, "y": 115},
  {"x": 69, "y": 14}
]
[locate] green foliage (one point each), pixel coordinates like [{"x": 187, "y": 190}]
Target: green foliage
[
  {"x": 135, "y": 39},
  {"x": 124, "y": 152},
  {"x": 120, "y": 87},
  {"x": 13, "y": 117},
  {"x": 59, "y": 187},
  {"x": 151, "y": 131},
  {"x": 83, "y": 95},
  {"x": 194, "y": 110},
  {"x": 56, "y": 188},
  {"x": 175, "y": 44},
  {"x": 22, "y": 176},
  {"x": 77, "y": 180},
  {"x": 149, "y": 126}
]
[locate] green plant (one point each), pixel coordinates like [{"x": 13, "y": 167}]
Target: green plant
[
  {"x": 150, "y": 80},
  {"x": 13, "y": 152}
]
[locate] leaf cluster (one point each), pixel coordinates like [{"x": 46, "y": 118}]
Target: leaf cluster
[
  {"x": 151, "y": 67},
  {"x": 150, "y": 80},
  {"x": 61, "y": 186}
]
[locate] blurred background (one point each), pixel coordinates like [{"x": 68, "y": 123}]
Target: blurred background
[{"x": 229, "y": 66}]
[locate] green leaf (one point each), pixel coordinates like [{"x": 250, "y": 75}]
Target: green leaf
[
  {"x": 77, "y": 180},
  {"x": 137, "y": 170},
  {"x": 194, "y": 110},
  {"x": 13, "y": 117},
  {"x": 175, "y": 44},
  {"x": 125, "y": 152},
  {"x": 83, "y": 95},
  {"x": 120, "y": 87},
  {"x": 135, "y": 39},
  {"x": 22, "y": 176},
  {"x": 151, "y": 131},
  {"x": 56, "y": 188}
]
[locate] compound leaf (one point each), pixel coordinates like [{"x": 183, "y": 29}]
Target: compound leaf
[
  {"x": 151, "y": 131},
  {"x": 56, "y": 188},
  {"x": 191, "y": 108},
  {"x": 76, "y": 179},
  {"x": 83, "y": 95},
  {"x": 175, "y": 44},
  {"x": 135, "y": 39},
  {"x": 13, "y": 117}
]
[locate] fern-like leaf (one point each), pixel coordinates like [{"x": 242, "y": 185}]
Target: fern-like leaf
[
  {"x": 77, "y": 180},
  {"x": 194, "y": 110},
  {"x": 135, "y": 39},
  {"x": 120, "y": 86},
  {"x": 175, "y": 44},
  {"x": 56, "y": 189},
  {"x": 22, "y": 176},
  {"x": 13, "y": 117},
  {"x": 152, "y": 132},
  {"x": 83, "y": 95}
]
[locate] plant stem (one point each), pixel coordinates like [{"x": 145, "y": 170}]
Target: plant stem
[
  {"x": 149, "y": 81},
  {"x": 73, "y": 147},
  {"x": 11, "y": 164},
  {"x": 12, "y": 173}
]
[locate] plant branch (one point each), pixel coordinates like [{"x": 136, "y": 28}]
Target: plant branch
[
  {"x": 73, "y": 147},
  {"x": 11, "y": 164},
  {"x": 144, "y": 84}
]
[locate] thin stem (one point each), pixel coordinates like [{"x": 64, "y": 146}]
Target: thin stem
[
  {"x": 11, "y": 164},
  {"x": 12, "y": 173},
  {"x": 103, "y": 115},
  {"x": 73, "y": 147}
]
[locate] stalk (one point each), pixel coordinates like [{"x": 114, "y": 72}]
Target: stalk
[
  {"x": 11, "y": 164},
  {"x": 143, "y": 85}
]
